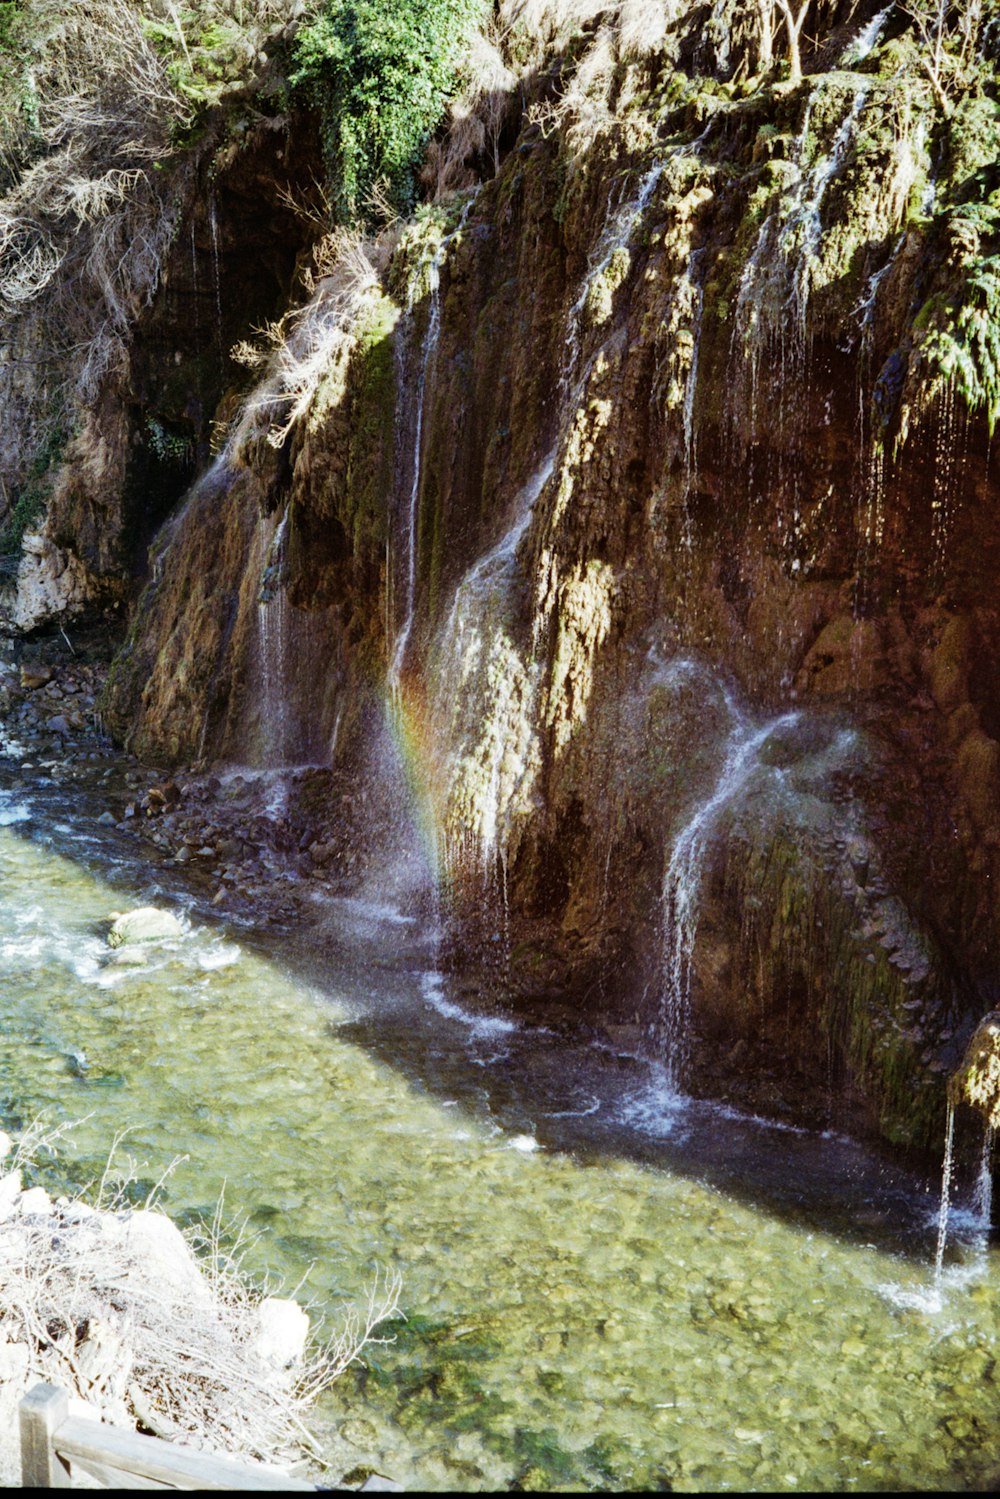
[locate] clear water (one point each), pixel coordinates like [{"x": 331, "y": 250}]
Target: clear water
[{"x": 605, "y": 1285}]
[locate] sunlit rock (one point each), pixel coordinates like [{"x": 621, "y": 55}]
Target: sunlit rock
[{"x": 977, "y": 1081}]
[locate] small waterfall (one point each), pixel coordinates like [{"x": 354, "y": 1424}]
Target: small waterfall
[
  {"x": 982, "y": 1197},
  {"x": 803, "y": 232},
  {"x": 616, "y": 237},
  {"x": 272, "y": 648},
  {"x": 682, "y": 883},
  {"x": 213, "y": 224},
  {"x": 779, "y": 273},
  {"x": 866, "y": 40},
  {"x": 428, "y": 355},
  {"x": 696, "y": 288},
  {"x": 485, "y": 691},
  {"x": 942, "y": 1232}
]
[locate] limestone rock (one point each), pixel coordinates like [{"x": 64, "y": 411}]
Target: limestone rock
[
  {"x": 165, "y": 1256},
  {"x": 35, "y": 1202},
  {"x": 977, "y": 1081},
  {"x": 284, "y": 1328},
  {"x": 145, "y": 924}
]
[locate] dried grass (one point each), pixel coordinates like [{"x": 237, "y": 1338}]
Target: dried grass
[
  {"x": 307, "y": 343},
  {"x": 77, "y": 1291}
]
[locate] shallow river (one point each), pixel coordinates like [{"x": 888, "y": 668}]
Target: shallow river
[{"x": 603, "y": 1285}]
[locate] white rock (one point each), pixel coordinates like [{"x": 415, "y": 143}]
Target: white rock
[
  {"x": 6, "y": 1144},
  {"x": 14, "y": 1361},
  {"x": 35, "y": 1202},
  {"x": 284, "y": 1328},
  {"x": 145, "y": 924},
  {"x": 10, "y": 1191},
  {"x": 164, "y": 1257}
]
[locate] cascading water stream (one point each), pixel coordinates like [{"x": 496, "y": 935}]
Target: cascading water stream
[
  {"x": 272, "y": 647},
  {"x": 982, "y": 1196},
  {"x": 473, "y": 653},
  {"x": 946, "y": 1169},
  {"x": 867, "y": 39},
  {"x": 428, "y": 355},
  {"x": 682, "y": 884},
  {"x": 213, "y": 223},
  {"x": 616, "y": 237}
]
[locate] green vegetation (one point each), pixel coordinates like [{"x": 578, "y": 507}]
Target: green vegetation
[
  {"x": 29, "y": 501},
  {"x": 381, "y": 72}
]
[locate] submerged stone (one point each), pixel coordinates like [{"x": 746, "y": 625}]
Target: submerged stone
[{"x": 145, "y": 924}]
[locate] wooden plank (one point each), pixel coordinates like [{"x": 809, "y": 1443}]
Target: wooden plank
[
  {"x": 167, "y": 1462},
  {"x": 115, "y": 1478},
  {"x": 42, "y": 1412}
]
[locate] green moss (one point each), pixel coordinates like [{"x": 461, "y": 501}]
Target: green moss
[
  {"x": 28, "y": 501},
  {"x": 368, "y": 487}
]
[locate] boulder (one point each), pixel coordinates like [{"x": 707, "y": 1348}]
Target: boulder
[
  {"x": 284, "y": 1328},
  {"x": 165, "y": 1258},
  {"x": 145, "y": 924},
  {"x": 977, "y": 1080}
]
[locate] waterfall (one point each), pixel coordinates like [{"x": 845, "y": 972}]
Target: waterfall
[
  {"x": 213, "y": 223},
  {"x": 778, "y": 276},
  {"x": 866, "y": 40},
  {"x": 682, "y": 882},
  {"x": 942, "y": 1232},
  {"x": 272, "y": 648},
  {"x": 428, "y": 356},
  {"x": 484, "y": 698},
  {"x": 982, "y": 1197},
  {"x": 803, "y": 230},
  {"x": 616, "y": 237}
]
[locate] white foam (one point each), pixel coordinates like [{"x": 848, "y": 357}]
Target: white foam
[
  {"x": 222, "y": 956},
  {"x": 432, "y": 988},
  {"x": 12, "y": 811}
]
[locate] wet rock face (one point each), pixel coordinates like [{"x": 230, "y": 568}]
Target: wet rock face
[
  {"x": 977, "y": 1081},
  {"x": 700, "y": 690}
]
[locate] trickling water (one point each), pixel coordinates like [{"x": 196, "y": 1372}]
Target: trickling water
[
  {"x": 680, "y": 899},
  {"x": 428, "y": 355},
  {"x": 213, "y": 222},
  {"x": 802, "y": 234},
  {"x": 272, "y": 646},
  {"x": 982, "y": 1197},
  {"x": 866, "y": 40},
  {"x": 697, "y": 296},
  {"x": 946, "y": 1168},
  {"x": 484, "y": 696},
  {"x": 616, "y": 237}
]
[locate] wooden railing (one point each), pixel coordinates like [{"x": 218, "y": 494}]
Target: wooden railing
[{"x": 53, "y": 1442}]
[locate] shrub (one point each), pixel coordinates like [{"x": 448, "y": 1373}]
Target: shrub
[{"x": 381, "y": 71}]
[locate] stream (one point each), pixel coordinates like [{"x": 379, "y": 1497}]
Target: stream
[{"x": 604, "y": 1284}]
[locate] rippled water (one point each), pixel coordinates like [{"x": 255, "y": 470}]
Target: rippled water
[{"x": 604, "y": 1285}]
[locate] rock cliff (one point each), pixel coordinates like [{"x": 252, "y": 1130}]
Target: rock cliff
[{"x": 628, "y": 514}]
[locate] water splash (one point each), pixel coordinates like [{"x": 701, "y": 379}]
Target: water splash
[
  {"x": 681, "y": 891},
  {"x": 428, "y": 358},
  {"x": 946, "y": 1169}
]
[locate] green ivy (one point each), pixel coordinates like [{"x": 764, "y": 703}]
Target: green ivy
[
  {"x": 381, "y": 72},
  {"x": 965, "y": 347}
]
